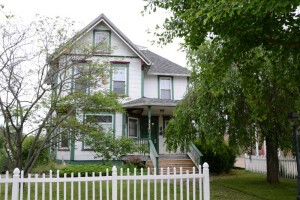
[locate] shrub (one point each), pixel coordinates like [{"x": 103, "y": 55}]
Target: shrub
[
  {"x": 82, "y": 169},
  {"x": 46, "y": 167},
  {"x": 134, "y": 162},
  {"x": 3, "y": 161},
  {"x": 44, "y": 156},
  {"x": 220, "y": 159}
]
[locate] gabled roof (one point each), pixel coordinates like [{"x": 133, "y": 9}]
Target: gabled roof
[
  {"x": 150, "y": 102},
  {"x": 163, "y": 66},
  {"x": 158, "y": 65},
  {"x": 103, "y": 18}
]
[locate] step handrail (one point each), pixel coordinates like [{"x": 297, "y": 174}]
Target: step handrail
[
  {"x": 153, "y": 156},
  {"x": 194, "y": 154}
]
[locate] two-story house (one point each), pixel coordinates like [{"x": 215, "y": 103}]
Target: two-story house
[{"x": 153, "y": 84}]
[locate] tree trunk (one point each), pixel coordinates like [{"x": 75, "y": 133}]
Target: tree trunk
[{"x": 272, "y": 159}]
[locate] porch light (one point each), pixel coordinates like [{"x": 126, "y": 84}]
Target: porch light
[
  {"x": 162, "y": 110},
  {"x": 294, "y": 117}
]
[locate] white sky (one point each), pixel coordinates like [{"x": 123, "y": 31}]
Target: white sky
[{"x": 125, "y": 14}]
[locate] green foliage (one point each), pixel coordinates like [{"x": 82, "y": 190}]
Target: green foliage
[
  {"x": 3, "y": 161},
  {"x": 221, "y": 158},
  {"x": 134, "y": 162},
  {"x": 41, "y": 168},
  {"x": 239, "y": 24},
  {"x": 28, "y": 142},
  {"x": 246, "y": 78},
  {"x": 82, "y": 169},
  {"x": 108, "y": 147}
]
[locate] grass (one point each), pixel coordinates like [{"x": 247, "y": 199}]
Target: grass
[
  {"x": 243, "y": 185},
  {"x": 239, "y": 185}
]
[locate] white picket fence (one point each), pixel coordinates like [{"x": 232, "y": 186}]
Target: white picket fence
[
  {"x": 51, "y": 187},
  {"x": 258, "y": 164}
]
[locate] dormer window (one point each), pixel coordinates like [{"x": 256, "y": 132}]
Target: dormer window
[{"x": 102, "y": 40}]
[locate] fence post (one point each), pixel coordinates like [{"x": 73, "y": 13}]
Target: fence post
[
  {"x": 15, "y": 184},
  {"x": 114, "y": 183},
  {"x": 206, "y": 189}
]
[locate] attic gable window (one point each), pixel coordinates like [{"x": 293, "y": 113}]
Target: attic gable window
[{"x": 102, "y": 40}]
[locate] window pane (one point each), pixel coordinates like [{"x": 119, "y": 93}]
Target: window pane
[
  {"x": 119, "y": 87},
  {"x": 133, "y": 127},
  {"x": 102, "y": 40},
  {"x": 81, "y": 83},
  {"x": 64, "y": 140},
  {"x": 119, "y": 74},
  {"x": 106, "y": 127},
  {"x": 166, "y": 94},
  {"x": 99, "y": 118},
  {"x": 165, "y": 83}
]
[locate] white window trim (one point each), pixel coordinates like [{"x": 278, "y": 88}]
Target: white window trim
[
  {"x": 165, "y": 77},
  {"x": 138, "y": 128},
  {"x": 126, "y": 68}
]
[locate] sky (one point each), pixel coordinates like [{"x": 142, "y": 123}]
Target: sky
[{"x": 125, "y": 14}]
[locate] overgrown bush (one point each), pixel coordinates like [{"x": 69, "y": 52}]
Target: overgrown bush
[
  {"x": 46, "y": 167},
  {"x": 3, "y": 161},
  {"x": 134, "y": 162},
  {"x": 28, "y": 142},
  {"x": 82, "y": 169},
  {"x": 220, "y": 159}
]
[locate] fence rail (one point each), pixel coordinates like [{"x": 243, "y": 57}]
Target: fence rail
[
  {"x": 108, "y": 187},
  {"x": 258, "y": 164}
]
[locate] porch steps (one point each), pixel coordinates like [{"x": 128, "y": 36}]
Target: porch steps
[{"x": 171, "y": 162}]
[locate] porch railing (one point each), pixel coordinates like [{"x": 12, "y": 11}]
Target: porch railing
[
  {"x": 141, "y": 141},
  {"x": 195, "y": 155},
  {"x": 153, "y": 156}
]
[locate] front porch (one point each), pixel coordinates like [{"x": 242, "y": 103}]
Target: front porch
[{"x": 147, "y": 118}]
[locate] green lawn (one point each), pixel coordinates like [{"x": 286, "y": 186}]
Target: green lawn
[
  {"x": 242, "y": 185},
  {"x": 238, "y": 185}
]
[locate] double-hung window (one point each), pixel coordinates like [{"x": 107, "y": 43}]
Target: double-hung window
[
  {"x": 64, "y": 140},
  {"x": 106, "y": 121},
  {"x": 81, "y": 79},
  {"x": 119, "y": 80},
  {"x": 165, "y": 87},
  {"x": 133, "y": 127},
  {"x": 102, "y": 40}
]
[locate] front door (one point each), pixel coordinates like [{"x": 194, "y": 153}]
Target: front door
[{"x": 154, "y": 130}]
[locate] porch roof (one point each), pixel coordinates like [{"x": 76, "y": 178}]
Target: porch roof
[{"x": 150, "y": 102}]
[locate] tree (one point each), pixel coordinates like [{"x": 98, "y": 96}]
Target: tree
[
  {"x": 38, "y": 67},
  {"x": 247, "y": 78}
]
